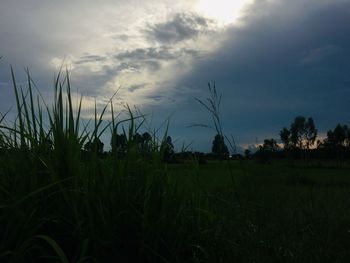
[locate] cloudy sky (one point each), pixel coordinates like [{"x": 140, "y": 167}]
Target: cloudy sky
[{"x": 270, "y": 59}]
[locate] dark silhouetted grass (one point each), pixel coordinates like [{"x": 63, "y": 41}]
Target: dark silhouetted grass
[{"x": 59, "y": 205}]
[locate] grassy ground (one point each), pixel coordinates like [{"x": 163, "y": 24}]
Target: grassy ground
[
  {"x": 191, "y": 213},
  {"x": 277, "y": 213},
  {"x": 57, "y": 205}
]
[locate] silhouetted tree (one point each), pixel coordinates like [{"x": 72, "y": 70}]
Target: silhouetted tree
[
  {"x": 94, "y": 146},
  {"x": 310, "y": 133},
  {"x": 219, "y": 147},
  {"x": 119, "y": 144},
  {"x": 285, "y": 138},
  {"x": 301, "y": 135},
  {"x": 339, "y": 136},
  {"x": 303, "y": 132},
  {"x": 270, "y": 145},
  {"x": 337, "y": 140},
  {"x": 138, "y": 143},
  {"x": 146, "y": 137},
  {"x": 167, "y": 148},
  {"x": 297, "y": 132},
  {"x": 267, "y": 150}
]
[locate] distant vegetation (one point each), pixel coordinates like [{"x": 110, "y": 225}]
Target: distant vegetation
[
  {"x": 300, "y": 142},
  {"x": 64, "y": 199}
]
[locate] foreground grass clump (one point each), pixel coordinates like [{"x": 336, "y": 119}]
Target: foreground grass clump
[
  {"x": 59, "y": 203},
  {"x": 58, "y": 206}
]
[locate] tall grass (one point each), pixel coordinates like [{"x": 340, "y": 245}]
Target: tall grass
[
  {"x": 59, "y": 203},
  {"x": 58, "y": 206}
]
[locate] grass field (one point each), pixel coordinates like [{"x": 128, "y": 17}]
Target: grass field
[
  {"x": 277, "y": 213},
  {"x": 57, "y": 205},
  {"x": 196, "y": 213}
]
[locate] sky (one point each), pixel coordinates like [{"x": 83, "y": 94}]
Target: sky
[{"x": 271, "y": 60}]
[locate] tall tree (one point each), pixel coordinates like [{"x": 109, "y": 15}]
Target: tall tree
[
  {"x": 297, "y": 131},
  {"x": 285, "y": 138},
  {"x": 303, "y": 133},
  {"x": 337, "y": 140},
  {"x": 338, "y": 137},
  {"x": 219, "y": 147},
  {"x": 310, "y": 133}
]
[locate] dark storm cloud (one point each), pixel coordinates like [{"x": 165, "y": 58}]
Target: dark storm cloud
[
  {"x": 288, "y": 58},
  {"x": 181, "y": 27}
]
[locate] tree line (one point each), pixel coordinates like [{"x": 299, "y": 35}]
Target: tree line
[
  {"x": 300, "y": 141},
  {"x": 143, "y": 144}
]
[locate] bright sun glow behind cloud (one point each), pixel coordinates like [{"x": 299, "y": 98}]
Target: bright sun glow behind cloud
[{"x": 225, "y": 11}]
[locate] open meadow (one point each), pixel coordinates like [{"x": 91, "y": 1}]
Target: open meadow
[
  {"x": 277, "y": 213},
  {"x": 141, "y": 209},
  {"x": 62, "y": 199}
]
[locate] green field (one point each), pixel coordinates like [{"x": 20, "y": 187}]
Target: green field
[
  {"x": 59, "y": 203},
  {"x": 277, "y": 213},
  {"x": 218, "y": 212}
]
